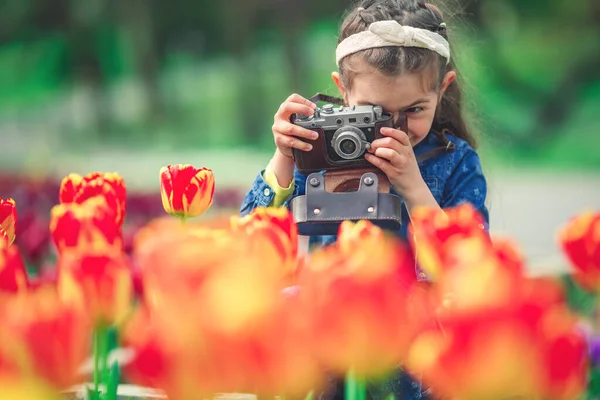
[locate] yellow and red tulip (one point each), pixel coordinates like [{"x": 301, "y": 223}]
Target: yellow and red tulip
[
  {"x": 186, "y": 191},
  {"x": 477, "y": 274},
  {"x": 231, "y": 336},
  {"x": 275, "y": 228},
  {"x": 13, "y": 275},
  {"x": 43, "y": 339},
  {"x": 356, "y": 293},
  {"x": 527, "y": 346},
  {"x": 580, "y": 241},
  {"x": 174, "y": 257},
  {"x": 110, "y": 187},
  {"x": 100, "y": 282},
  {"x": 216, "y": 313},
  {"x": 86, "y": 227},
  {"x": 8, "y": 218},
  {"x": 436, "y": 231}
]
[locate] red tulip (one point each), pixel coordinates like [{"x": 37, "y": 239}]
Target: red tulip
[
  {"x": 186, "y": 191},
  {"x": 13, "y": 274},
  {"x": 244, "y": 350},
  {"x": 102, "y": 283},
  {"x": 110, "y": 187},
  {"x": 526, "y": 346},
  {"x": 275, "y": 227},
  {"x": 174, "y": 257},
  {"x": 580, "y": 241},
  {"x": 8, "y": 218},
  {"x": 436, "y": 231},
  {"x": 87, "y": 227},
  {"x": 213, "y": 309},
  {"x": 43, "y": 339},
  {"x": 356, "y": 293}
]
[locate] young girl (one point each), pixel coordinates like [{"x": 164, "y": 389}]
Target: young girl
[{"x": 395, "y": 54}]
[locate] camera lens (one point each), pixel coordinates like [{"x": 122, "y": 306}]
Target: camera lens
[
  {"x": 349, "y": 143},
  {"x": 347, "y": 146}
]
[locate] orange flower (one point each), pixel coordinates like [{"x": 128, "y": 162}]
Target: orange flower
[
  {"x": 435, "y": 233},
  {"x": 110, "y": 187},
  {"x": 266, "y": 355},
  {"x": 580, "y": 241},
  {"x": 477, "y": 274},
  {"x": 8, "y": 218},
  {"x": 88, "y": 226},
  {"x": 186, "y": 191},
  {"x": 276, "y": 227},
  {"x": 356, "y": 293},
  {"x": 175, "y": 257},
  {"x": 13, "y": 275},
  {"x": 43, "y": 339},
  {"x": 216, "y": 314},
  {"x": 102, "y": 283},
  {"x": 524, "y": 347}
]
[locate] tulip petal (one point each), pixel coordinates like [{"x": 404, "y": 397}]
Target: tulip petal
[
  {"x": 8, "y": 218},
  {"x": 186, "y": 191}
]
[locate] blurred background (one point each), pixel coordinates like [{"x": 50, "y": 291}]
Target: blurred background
[{"x": 131, "y": 85}]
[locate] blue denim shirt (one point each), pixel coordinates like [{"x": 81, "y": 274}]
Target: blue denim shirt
[{"x": 453, "y": 178}]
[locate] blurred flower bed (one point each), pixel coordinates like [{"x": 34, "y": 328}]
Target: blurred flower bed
[
  {"x": 37, "y": 195},
  {"x": 227, "y": 304}
]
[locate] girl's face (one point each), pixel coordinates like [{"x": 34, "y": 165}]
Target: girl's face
[{"x": 403, "y": 93}]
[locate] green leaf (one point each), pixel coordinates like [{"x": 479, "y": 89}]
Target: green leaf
[{"x": 113, "y": 382}]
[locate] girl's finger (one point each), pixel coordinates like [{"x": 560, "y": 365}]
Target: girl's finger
[
  {"x": 380, "y": 163},
  {"x": 292, "y": 142},
  {"x": 288, "y": 108},
  {"x": 387, "y": 154},
  {"x": 288, "y": 129},
  {"x": 387, "y": 142},
  {"x": 397, "y": 134},
  {"x": 296, "y": 98}
]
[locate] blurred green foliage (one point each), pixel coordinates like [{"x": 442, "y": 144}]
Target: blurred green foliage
[{"x": 145, "y": 73}]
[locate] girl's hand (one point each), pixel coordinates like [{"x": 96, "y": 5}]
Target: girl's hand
[
  {"x": 394, "y": 155},
  {"x": 285, "y": 133}
]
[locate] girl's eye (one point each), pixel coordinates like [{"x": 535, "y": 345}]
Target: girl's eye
[{"x": 414, "y": 110}]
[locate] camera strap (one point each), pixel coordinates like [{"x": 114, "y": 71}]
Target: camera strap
[
  {"x": 446, "y": 147},
  {"x": 328, "y": 99}
]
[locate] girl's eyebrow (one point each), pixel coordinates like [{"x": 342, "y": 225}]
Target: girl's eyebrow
[{"x": 414, "y": 103}]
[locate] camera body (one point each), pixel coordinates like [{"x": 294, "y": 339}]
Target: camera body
[{"x": 345, "y": 135}]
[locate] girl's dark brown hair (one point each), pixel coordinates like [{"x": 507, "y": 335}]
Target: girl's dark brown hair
[{"x": 398, "y": 60}]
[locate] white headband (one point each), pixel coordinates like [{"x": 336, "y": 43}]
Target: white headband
[{"x": 391, "y": 33}]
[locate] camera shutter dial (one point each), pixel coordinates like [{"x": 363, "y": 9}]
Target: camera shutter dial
[{"x": 328, "y": 109}]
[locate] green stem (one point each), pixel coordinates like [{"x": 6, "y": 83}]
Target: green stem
[
  {"x": 112, "y": 384},
  {"x": 355, "y": 388},
  {"x": 96, "y": 363},
  {"x": 101, "y": 350}
]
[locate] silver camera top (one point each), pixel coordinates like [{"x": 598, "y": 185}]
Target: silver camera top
[{"x": 331, "y": 117}]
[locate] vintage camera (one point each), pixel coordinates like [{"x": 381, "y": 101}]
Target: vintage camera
[
  {"x": 341, "y": 184},
  {"x": 345, "y": 134}
]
